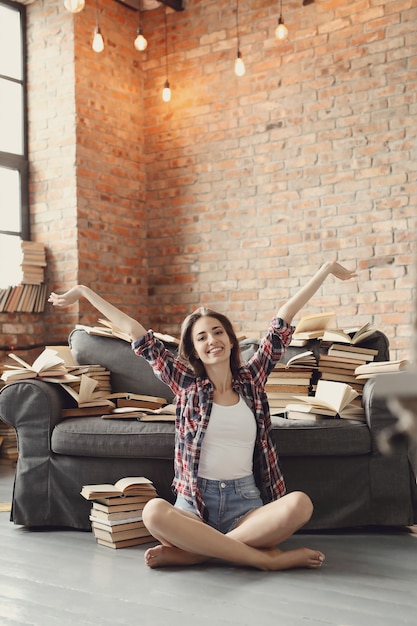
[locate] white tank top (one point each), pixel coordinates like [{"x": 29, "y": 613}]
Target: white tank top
[{"x": 227, "y": 448}]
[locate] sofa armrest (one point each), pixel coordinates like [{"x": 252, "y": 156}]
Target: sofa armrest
[
  {"x": 378, "y": 416},
  {"x": 32, "y": 407},
  {"x": 391, "y": 474}
]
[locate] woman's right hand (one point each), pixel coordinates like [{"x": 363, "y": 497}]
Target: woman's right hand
[{"x": 66, "y": 299}]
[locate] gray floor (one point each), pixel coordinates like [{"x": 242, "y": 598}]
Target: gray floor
[{"x": 60, "y": 578}]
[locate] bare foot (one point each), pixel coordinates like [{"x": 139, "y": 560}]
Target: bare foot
[
  {"x": 288, "y": 559},
  {"x": 165, "y": 556}
]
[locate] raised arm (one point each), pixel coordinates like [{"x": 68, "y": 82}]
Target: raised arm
[
  {"x": 288, "y": 310},
  {"x": 120, "y": 319}
]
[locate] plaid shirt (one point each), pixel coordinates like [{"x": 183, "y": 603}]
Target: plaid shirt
[{"x": 194, "y": 405}]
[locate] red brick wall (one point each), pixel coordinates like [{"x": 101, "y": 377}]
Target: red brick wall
[
  {"x": 87, "y": 168},
  {"x": 252, "y": 181},
  {"x": 231, "y": 194}
]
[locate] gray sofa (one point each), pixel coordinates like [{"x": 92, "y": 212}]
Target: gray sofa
[{"x": 337, "y": 462}]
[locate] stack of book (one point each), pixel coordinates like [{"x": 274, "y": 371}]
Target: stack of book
[
  {"x": 311, "y": 327},
  {"x": 88, "y": 400},
  {"x": 29, "y": 295},
  {"x": 291, "y": 379},
  {"x": 116, "y": 512},
  {"x": 341, "y": 361}
]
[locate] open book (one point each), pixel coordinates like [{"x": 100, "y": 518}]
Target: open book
[
  {"x": 86, "y": 396},
  {"x": 350, "y": 336},
  {"x": 313, "y": 326},
  {"x": 49, "y": 366},
  {"x": 332, "y": 399},
  {"x": 129, "y": 486}
]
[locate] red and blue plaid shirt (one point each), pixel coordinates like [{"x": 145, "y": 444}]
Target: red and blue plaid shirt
[{"x": 194, "y": 404}]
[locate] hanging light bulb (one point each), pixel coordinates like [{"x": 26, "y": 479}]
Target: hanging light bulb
[
  {"x": 98, "y": 42},
  {"x": 74, "y": 6},
  {"x": 140, "y": 42},
  {"x": 281, "y": 31},
  {"x": 239, "y": 65},
  {"x": 166, "y": 92}
]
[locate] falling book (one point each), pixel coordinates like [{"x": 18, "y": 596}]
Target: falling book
[
  {"x": 349, "y": 336},
  {"x": 131, "y": 485}
]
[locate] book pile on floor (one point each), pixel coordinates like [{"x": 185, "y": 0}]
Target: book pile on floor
[
  {"x": 290, "y": 379},
  {"x": 29, "y": 295},
  {"x": 116, "y": 512}
]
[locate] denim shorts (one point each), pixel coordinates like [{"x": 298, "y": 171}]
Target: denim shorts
[{"x": 227, "y": 501}]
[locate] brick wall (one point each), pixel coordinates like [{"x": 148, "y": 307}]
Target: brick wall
[
  {"x": 253, "y": 180},
  {"x": 87, "y": 169},
  {"x": 231, "y": 194}
]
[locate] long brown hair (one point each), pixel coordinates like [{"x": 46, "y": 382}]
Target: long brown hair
[{"x": 186, "y": 348}]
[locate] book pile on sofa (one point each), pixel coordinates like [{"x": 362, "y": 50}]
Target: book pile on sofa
[
  {"x": 295, "y": 377},
  {"x": 116, "y": 512}
]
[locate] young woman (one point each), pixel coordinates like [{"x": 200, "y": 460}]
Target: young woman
[{"x": 231, "y": 499}]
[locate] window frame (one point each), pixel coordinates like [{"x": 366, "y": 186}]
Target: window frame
[{"x": 15, "y": 161}]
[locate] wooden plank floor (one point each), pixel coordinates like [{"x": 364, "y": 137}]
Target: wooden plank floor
[{"x": 63, "y": 578}]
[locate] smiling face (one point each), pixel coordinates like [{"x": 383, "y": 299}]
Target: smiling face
[{"x": 211, "y": 342}]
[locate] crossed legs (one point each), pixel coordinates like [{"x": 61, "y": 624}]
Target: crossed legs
[{"x": 186, "y": 540}]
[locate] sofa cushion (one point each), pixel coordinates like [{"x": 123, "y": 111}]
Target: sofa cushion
[
  {"x": 328, "y": 437},
  {"x": 97, "y": 437}
]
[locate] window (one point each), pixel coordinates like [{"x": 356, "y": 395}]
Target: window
[{"x": 14, "y": 209}]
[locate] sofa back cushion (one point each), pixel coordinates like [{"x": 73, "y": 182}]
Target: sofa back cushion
[{"x": 129, "y": 372}]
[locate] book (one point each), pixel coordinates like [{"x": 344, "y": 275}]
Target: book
[
  {"x": 48, "y": 365},
  {"x": 294, "y": 412},
  {"x": 130, "y": 485},
  {"x": 302, "y": 359},
  {"x": 313, "y": 326},
  {"x": 87, "y": 411},
  {"x": 330, "y": 397},
  {"x": 128, "y": 505},
  {"x": 116, "y": 527},
  {"x": 131, "y": 400},
  {"x": 369, "y": 370},
  {"x": 121, "y": 535},
  {"x": 352, "y": 352},
  {"x": 119, "y": 517},
  {"x": 126, "y": 543},
  {"x": 349, "y": 336},
  {"x": 86, "y": 396}
]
